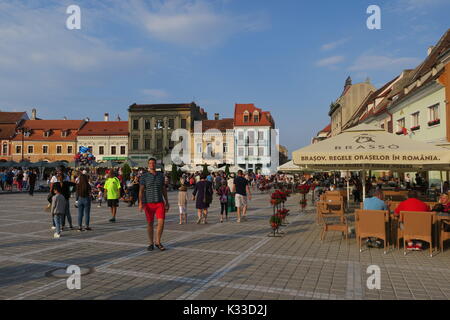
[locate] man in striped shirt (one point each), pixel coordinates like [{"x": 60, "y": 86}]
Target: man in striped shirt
[{"x": 154, "y": 201}]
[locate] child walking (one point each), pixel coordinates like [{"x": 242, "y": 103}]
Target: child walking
[
  {"x": 223, "y": 192},
  {"x": 58, "y": 209},
  {"x": 99, "y": 196},
  {"x": 182, "y": 204}
]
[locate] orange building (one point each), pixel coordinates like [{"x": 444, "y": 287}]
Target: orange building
[{"x": 46, "y": 140}]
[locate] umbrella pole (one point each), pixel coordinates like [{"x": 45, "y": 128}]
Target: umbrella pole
[
  {"x": 442, "y": 182},
  {"x": 363, "y": 178},
  {"x": 348, "y": 188}
]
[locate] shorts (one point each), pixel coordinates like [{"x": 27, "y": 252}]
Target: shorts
[
  {"x": 154, "y": 208},
  {"x": 182, "y": 209},
  {"x": 241, "y": 201},
  {"x": 113, "y": 203}
]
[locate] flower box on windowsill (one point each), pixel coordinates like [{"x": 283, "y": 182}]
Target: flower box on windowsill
[
  {"x": 434, "y": 122},
  {"x": 399, "y": 132},
  {"x": 415, "y": 128}
]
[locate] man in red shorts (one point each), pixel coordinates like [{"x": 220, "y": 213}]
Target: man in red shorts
[{"x": 154, "y": 201}]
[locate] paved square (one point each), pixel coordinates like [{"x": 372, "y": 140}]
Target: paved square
[{"x": 214, "y": 261}]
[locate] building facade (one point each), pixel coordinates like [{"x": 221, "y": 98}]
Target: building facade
[
  {"x": 9, "y": 122},
  {"x": 107, "y": 140},
  {"x": 255, "y": 139},
  {"x": 212, "y": 142},
  {"x": 46, "y": 140},
  {"x": 151, "y": 126}
]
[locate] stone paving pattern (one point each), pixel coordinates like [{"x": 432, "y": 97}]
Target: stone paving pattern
[{"x": 212, "y": 261}]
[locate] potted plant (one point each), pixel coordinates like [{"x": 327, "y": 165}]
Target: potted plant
[
  {"x": 275, "y": 222},
  {"x": 415, "y": 128},
  {"x": 434, "y": 122}
]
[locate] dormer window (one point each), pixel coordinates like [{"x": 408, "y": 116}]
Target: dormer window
[
  {"x": 246, "y": 116},
  {"x": 64, "y": 133},
  {"x": 256, "y": 116},
  {"x": 27, "y": 133}
]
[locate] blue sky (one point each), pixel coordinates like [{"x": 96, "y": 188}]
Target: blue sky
[{"x": 290, "y": 57}]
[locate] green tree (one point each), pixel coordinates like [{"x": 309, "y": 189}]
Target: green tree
[
  {"x": 205, "y": 169},
  {"x": 126, "y": 171},
  {"x": 227, "y": 170}
]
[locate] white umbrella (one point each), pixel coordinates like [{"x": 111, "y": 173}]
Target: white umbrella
[
  {"x": 197, "y": 168},
  {"x": 235, "y": 169},
  {"x": 186, "y": 168},
  {"x": 291, "y": 167}
]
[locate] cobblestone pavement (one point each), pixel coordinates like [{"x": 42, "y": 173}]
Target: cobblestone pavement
[{"x": 213, "y": 261}]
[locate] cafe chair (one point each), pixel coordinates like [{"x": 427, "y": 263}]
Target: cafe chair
[
  {"x": 333, "y": 208},
  {"x": 372, "y": 223},
  {"x": 416, "y": 226},
  {"x": 444, "y": 235}
]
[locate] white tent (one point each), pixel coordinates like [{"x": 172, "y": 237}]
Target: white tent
[{"x": 367, "y": 147}]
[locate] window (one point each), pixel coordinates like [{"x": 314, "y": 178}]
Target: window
[
  {"x": 18, "y": 149},
  {"x": 199, "y": 148},
  {"x": 47, "y": 134},
  {"x": 30, "y": 149},
  {"x": 240, "y": 135},
  {"x": 171, "y": 124},
  {"x": 64, "y": 133},
  {"x": 122, "y": 150},
  {"x": 434, "y": 112},
  {"x": 415, "y": 120},
  {"x": 159, "y": 124},
  {"x": 147, "y": 144},
  {"x": 113, "y": 149},
  {"x": 147, "y": 124},
  {"x": 69, "y": 149},
  {"x": 91, "y": 149},
  {"x": 260, "y": 135},
  {"x": 256, "y": 117},
  {"x": 45, "y": 149},
  {"x": 101, "y": 150},
  {"x": 225, "y": 147},
  {"x": 135, "y": 144},
  {"x": 58, "y": 149},
  {"x": 251, "y": 136},
  {"x": 250, "y": 152},
  {"x": 400, "y": 124},
  {"x": 261, "y": 151},
  {"x": 209, "y": 149},
  {"x": 183, "y": 124},
  {"x": 136, "y": 124},
  {"x": 245, "y": 118},
  {"x": 241, "y": 152},
  {"x": 5, "y": 149}
]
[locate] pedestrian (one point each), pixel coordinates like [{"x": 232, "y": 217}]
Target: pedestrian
[
  {"x": 99, "y": 196},
  {"x": 182, "y": 204},
  {"x": 242, "y": 189},
  {"x": 32, "y": 177},
  {"x": 223, "y": 193},
  {"x": 153, "y": 200},
  {"x": 19, "y": 181},
  {"x": 112, "y": 191},
  {"x": 65, "y": 190},
  {"x": 84, "y": 202},
  {"x": 58, "y": 209},
  {"x": 203, "y": 193}
]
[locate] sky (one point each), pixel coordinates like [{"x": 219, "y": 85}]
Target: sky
[{"x": 289, "y": 57}]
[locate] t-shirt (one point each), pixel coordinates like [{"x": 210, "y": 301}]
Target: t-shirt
[
  {"x": 374, "y": 204},
  {"x": 412, "y": 204},
  {"x": 153, "y": 184},
  {"x": 112, "y": 185},
  {"x": 241, "y": 185}
]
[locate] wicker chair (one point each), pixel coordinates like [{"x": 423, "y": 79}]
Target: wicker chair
[
  {"x": 444, "y": 235},
  {"x": 372, "y": 223},
  {"x": 332, "y": 208},
  {"x": 417, "y": 225}
]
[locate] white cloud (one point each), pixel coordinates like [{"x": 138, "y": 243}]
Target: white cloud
[
  {"x": 414, "y": 5},
  {"x": 330, "y": 61},
  {"x": 334, "y": 44},
  {"x": 155, "y": 93},
  {"x": 373, "y": 62},
  {"x": 192, "y": 23}
]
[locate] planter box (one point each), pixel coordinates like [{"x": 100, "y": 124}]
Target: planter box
[
  {"x": 415, "y": 128},
  {"x": 434, "y": 122},
  {"x": 399, "y": 133}
]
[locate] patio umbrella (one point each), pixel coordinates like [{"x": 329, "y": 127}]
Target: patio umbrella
[
  {"x": 235, "y": 169},
  {"x": 132, "y": 163},
  {"x": 107, "y": 164},
  {"x": 367, "y": 147},
  {"x": 187, "y": 168},
  {"x": 291, "y": 167}
]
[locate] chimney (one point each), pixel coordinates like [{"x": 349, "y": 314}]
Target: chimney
[
  {"x": 106, "y": 116},
  {"x": 33, "y": 114},
  {"x": 118, "y": 118},
  {"x": 216, "y": 116},
  {"x": 87, "y": 119},
  {"x": 65, "y": 118},
  {"x": 430, "y": 48}
]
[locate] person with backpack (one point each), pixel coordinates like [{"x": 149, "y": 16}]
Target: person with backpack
[
  {"x": 203, "y": 193},
  {"x": 112, "y": 191}
]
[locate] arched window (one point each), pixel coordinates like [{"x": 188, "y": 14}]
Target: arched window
[{"x": 256, "y": 116}]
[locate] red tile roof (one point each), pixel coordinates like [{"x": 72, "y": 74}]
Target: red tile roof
[
  {"x": 12, "y": 117},
  {"x": 104, "y": 128},
  {"x": 38, "y": 127},
  {"x": 265, "y": 116},
  {"x": 326, "y": 129},
  {"x": 7, "y": 131},
  {"x": 222, "y": 124}
]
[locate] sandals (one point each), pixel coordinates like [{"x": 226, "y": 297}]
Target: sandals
[
  {"x": 160, "y": 247},
  {"x": 150, "y": 248}
]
